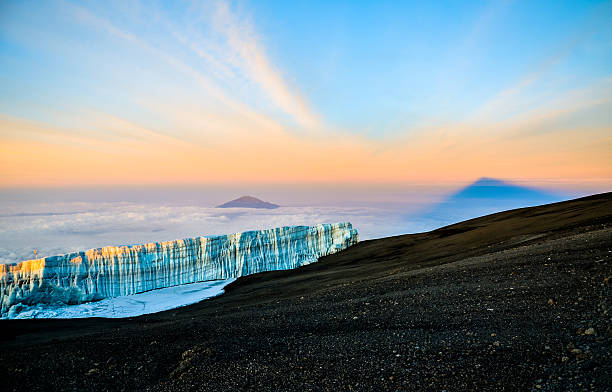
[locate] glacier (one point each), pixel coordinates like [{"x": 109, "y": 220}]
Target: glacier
[{"x": 115, "y": 271}]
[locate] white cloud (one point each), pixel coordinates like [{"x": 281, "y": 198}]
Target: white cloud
[{"x": 64, "y": 227}]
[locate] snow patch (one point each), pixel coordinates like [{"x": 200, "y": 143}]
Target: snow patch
[{"x": 128, "y": 305}]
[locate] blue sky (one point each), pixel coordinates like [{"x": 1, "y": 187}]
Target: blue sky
[
  {"x": 393, "y": 85},
  {"x": 398, "y": 62}
]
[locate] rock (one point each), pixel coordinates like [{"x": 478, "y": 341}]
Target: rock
[{"x": 187, "y": 358}]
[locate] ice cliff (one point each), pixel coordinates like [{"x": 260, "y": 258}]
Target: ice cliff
[{"x": 115, "y": 271}]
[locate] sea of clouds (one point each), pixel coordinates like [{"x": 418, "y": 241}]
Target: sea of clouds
[
  {"x": 56, "y": 222},
  {"x": 56, "y": 228}
]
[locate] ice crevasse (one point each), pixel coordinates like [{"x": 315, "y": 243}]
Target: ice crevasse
[{"x": 115, "y": 271}]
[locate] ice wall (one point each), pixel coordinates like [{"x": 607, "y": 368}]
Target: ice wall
[{"x": 124, "y": 270}]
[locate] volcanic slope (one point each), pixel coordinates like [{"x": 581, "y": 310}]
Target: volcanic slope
[{"x": 516, "y": 301}]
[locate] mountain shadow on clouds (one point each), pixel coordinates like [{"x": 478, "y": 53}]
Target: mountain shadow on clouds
[
  {"x": 483, "y": 197},
  {"x": 493, "y": 191}
]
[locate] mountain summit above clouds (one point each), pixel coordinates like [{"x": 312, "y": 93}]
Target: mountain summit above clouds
[{"x": 248, "y": 202}]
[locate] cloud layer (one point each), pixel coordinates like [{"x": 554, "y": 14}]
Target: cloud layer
[{"x": 63, "y": 227}]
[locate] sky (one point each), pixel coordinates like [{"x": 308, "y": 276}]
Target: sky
[{"x": 305, "y": 92}]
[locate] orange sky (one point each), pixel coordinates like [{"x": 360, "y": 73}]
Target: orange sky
[{"x": 34, "y": 155}]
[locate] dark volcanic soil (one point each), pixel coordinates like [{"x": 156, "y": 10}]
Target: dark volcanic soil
[{"x": 514, "y": 301}]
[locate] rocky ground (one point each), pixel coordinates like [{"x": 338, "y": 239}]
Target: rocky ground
[{"x": 512, "y": 301}]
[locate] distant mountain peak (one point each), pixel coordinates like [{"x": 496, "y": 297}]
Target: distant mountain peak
[{"x": 248, "y": 202}]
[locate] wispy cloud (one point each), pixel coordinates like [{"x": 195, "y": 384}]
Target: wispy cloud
[
  {"x": 244, "y": 52},
  {"x": 502, "y": 104},
  {"x": 254, "y": 61},
  {"x": 206, "y": 83},
  {"x": 506, "y": 100}
]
